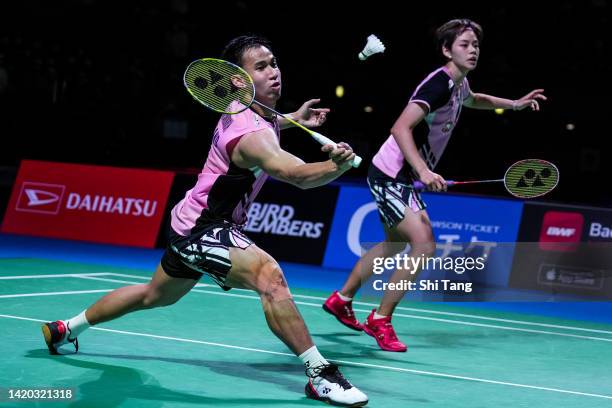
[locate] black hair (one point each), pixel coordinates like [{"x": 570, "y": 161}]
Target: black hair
[
  {"x": 448, "y": 32},
  {"x": 235, "y": 49}
]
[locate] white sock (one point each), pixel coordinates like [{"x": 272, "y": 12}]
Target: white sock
[
  {"x": 345, "y": 298},
  {"x": 378, "y": 316},
  {"x": 77, "y": 325},
  {"x": 312, "y": 358}
]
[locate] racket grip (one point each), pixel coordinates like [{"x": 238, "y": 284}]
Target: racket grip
[
  {"x": 419, "y": 185},
  {"x": 325, "y": 140}
]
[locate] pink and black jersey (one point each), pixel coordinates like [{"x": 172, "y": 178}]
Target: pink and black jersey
[
  {"x": 223, "y": 191},
  {"x": 443, "y": 100}
]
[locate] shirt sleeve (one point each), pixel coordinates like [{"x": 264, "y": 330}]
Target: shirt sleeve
[
  {"x": 434, "y": 92},
  {"x": 246, "y": 122},
  {"x": 232, "y": 127}
]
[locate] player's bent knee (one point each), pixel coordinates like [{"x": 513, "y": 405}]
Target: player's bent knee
[
  {"x": 151, "y": 298},
  {"x": 156, "y": 298},
  {"x": 272, "y": 283}
]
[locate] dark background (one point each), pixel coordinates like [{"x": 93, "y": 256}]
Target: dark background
[{"x": 92, "y": 81}]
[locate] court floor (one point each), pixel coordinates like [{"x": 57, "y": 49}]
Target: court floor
[{"x": 213, "y": 347}]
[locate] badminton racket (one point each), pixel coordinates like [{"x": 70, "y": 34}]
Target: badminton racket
[
  {"x": 524, "y": 179},
  {"x": 227, "y": 88}
]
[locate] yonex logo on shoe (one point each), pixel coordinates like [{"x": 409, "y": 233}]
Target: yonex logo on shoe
[{"x": 40, "y": 197}]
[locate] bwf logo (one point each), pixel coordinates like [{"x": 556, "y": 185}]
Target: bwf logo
[
  {"x": 561, "y": 231},
  {"x": 40, "y": 197}
]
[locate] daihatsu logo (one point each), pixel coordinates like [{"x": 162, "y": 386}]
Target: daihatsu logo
[{"x": 40, "y": 197}]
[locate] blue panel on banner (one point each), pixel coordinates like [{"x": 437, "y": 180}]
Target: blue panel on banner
[
  {"x": 455, "y": 219},
  {"x": 460, "y": 219},
  {"x": 355, "y": 214},
  {"x": 486, "y": 219}
]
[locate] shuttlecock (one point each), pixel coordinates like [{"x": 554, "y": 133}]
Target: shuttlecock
[{"x": 373, "y": 46}]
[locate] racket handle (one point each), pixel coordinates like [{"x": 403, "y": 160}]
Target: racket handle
[
  {"x": 419, "y": 185},
  {"x": 325, "y": 140}
]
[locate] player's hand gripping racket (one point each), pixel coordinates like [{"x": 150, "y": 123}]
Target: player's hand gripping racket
[
  {"x": 226, "y": 88},
  {"x": 524, "y": 179}
]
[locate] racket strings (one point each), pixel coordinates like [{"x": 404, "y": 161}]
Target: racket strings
[{"x": 219, "y": 85}]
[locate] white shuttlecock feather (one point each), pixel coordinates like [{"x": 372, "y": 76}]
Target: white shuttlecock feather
[{"x": 373, "y": 46}]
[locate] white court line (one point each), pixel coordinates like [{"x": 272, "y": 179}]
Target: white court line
[
  {"x": 377, "y": 366},
  {"x": 491, "y": 326},
  {"x": 494, "y": 326},
  {"x": 107, "y": 280},
  {"x": 495, "y": 319},
  {"x": 198, "y": 285},
  {"x": 72, "y": 292},
  {"x": 133, "y": 276},
  {"x": 63, "y": 275}
]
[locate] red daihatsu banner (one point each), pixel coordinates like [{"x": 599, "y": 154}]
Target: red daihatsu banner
[{"x": 90, "y": 203}]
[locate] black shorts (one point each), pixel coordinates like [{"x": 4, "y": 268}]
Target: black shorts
[
  {"x": 205, "y": 252},
  {"x": 393, "y": 197}
]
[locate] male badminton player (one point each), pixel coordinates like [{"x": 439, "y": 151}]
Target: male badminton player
[
  {"x": 411, "y": 152},
  {"x": 206, "y": 228}
]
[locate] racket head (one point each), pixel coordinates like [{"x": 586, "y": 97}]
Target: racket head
[
  {"x": 531, "y": 178},
  {"x": 219, "y": 85}
]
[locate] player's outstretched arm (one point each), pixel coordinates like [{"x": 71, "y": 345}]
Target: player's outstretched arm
[
  {"x": 484, "y": 101},
  {"x": 262, "y": 149}
]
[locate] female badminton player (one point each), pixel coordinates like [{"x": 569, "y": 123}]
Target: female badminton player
[{"x": 418, "y": 139}]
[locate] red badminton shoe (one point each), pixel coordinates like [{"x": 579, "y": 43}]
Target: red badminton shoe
[
  {"x": 382, "y": 330},
  {"x": 341, "y": 310}
]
